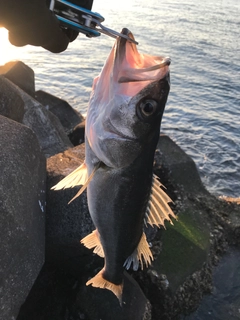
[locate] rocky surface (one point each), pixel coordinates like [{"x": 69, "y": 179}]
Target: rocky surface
[
  {"x": 20, "y": 106},
  {"x": 11, "y": 104},
  {"x": 68, "y": 117},
  {"x": 20, "y": 74},
  {"x": 22, "y": 214},
  {"x": 77, "y": 134},
  {"x": 185, "y": 253}
]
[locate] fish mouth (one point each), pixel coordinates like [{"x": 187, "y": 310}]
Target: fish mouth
[{"x": 130, "y": 66}]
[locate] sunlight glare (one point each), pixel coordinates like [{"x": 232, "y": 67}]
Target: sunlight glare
[{"x": 6, "y": 51}]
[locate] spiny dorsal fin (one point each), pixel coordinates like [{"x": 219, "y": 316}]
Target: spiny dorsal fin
[
  {"x": 140, "y": 254},
  {"x": 92, "y": 240},
  {"x": 158, "y": 209},
  {"x": 76, "y": 178},
  {"x": 99, "y": 282}
]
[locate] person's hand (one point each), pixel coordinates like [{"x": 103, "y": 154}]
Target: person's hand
[{"x": 31, "y": 22}]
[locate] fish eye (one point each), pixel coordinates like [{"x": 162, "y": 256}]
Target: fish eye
[{"x": 148, "y": 107}]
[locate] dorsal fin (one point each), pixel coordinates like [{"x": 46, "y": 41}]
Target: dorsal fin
[
  {"x": 140, "y": 254},
  {"x": 158, "y": 209},
  {"x": 76, "y": 178},
  {"x": 92, "y": 240}
]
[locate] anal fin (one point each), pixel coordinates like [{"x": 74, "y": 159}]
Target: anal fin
[
  {"x": 99, "y": 282},
  {"x": 141, "y": 254},
  {"x": 92, "y": 240}
]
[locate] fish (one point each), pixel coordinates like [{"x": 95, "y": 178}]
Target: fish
[{"x": 121, "y": 134}]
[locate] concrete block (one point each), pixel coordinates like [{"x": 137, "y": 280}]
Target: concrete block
[
  {"x": 182, "y": 168},
  {"x": 47, "y": 127},
  {"x": 11, "y": 103},
  {"x": 20, "y": 74},
  {"x": 22, "y": 214},
  {"x": 68, "y": 116}
]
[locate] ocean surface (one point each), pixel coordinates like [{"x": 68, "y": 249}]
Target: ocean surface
[{"x": 202, "y": 38}]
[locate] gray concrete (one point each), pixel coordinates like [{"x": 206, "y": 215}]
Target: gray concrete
[
  {"x": 22, "y": 214},
  {"x": 68, "y": 117},
  {"x": 47, "y": 127},
  {"x": 11, "y": 103},
  {"x": 66, "y": 224},
  {"x": 20, "y": 74},
  {"x": 182, "y": 168}
]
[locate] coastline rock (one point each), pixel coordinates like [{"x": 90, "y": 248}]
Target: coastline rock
[
  {"x": 101, "y": 304},
  {"x": 186, "y": 243},
  {"x": 187, "y": 252},
  {"x": 18, "y": 105},
  {"x": 68, "y": 117},
  {"x": 66, "y": 224},
  {"x": 64, "y": 296},
  {"x": 77, "y": 135},
  {"x": 47, "y": 127},
  {"x": 20, "y": 74},
  {"x": 22, "y": 219},
  {"x": 182, "y": 168},
  {"x": 11, "y": 103}
]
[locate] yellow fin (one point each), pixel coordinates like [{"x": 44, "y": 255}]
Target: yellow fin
[
  {"x": 99, "y": 282},
  {"x": 140, "y": 254},
  {"x": 92, "y": 240},
  {"x": 86, "y": 183},
  {"x": 158, "y": 209},
  {"x": 76, "y": 178}
]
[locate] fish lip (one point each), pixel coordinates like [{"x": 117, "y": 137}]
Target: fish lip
[
  {"x": 121, "y": 42},
  {"x": 125, "y": 32}
]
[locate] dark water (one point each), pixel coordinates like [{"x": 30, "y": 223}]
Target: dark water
[{"x": 224, "y": 302}]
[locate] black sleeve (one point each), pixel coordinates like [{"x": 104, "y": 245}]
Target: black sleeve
[{"x": 31, "y": 22}]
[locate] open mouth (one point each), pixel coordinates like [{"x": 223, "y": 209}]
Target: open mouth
[
  {"x": 131, "y": 66},
  {"x": 137, "y": 74}
]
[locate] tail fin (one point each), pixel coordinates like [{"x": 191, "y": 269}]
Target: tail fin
[{"x": 99, "y": 282}]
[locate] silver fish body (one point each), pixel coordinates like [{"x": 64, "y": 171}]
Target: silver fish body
[
  {"x": 122, "y": 131},
  {"x": 118, "y": 194}
]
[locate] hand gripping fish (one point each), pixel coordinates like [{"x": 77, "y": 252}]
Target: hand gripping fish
[{"x": 122, "y": 131}]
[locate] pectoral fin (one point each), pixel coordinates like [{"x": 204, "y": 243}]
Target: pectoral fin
[
  {"x": 158, "y": 209},
  {"x": 76, "y": 178},
  {"x": 86, "y": 183}
]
